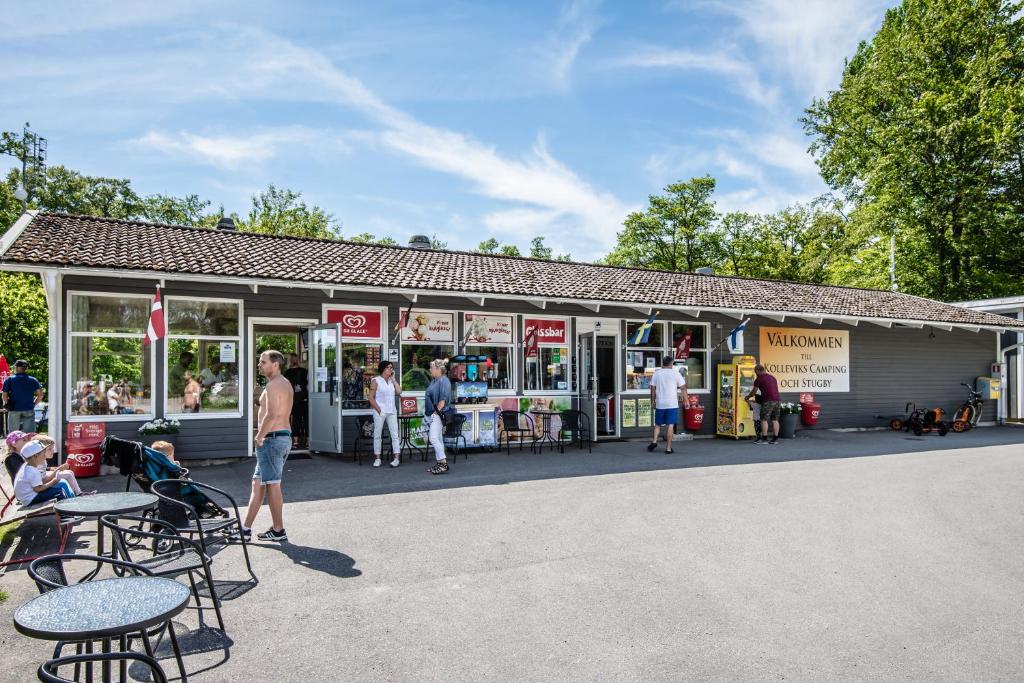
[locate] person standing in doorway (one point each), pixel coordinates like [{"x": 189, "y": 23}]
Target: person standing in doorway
[
  {"x": 298, "y": 377},
  {"x": 435, "y": 403},
  {"x": 21, "y": 392},
  {"x": 769, "y": 388},
  {"x": 273, "y": 441},
  {"x": 667, "y": 389},
  {"x": 384, "y": 391}
]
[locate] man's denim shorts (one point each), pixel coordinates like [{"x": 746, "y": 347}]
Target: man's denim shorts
[
  {"x": 666, "y": 416},
  {"x": 270, "y": 458}
]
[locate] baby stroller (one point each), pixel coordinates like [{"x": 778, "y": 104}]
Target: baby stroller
[{"x": 146, "y": 465}]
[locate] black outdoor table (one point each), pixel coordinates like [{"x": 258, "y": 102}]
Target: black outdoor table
[
  {"x": 105, "y": 609},
  {"x": 545, "y": 426},
  {"x": 405, "y": 428},
  {"x": 104, "y": 504}
]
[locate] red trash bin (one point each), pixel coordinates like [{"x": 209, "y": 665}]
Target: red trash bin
[
  {"x": 85, "y": 462},
  {"x": 693, "y": 417},
  {"x": 809, "y": 413},
  {"x": 82, "y": 447}
]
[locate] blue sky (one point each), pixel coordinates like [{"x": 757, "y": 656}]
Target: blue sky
[{"x": 465, "y": 120}]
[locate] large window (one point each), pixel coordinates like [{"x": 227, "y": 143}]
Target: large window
[
  {"x": 697, "y": 361},
  {"x": 362, "y": 333},
  {"x": 489, "y": 339},
  {"x": 202, "y": 356},
  {"x": 425, "y": 335},
  {"x": 644, "y": 358},
  {"x": 111, "y": 369},
  {"x": 546, "y": 354},
  {"x": 416, "y": 363}
]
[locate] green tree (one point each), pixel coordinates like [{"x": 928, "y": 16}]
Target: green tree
[
  {"x": 676, "y": 232},
  {"x": 23, "y": 322},
  {"x": 488, "y": 246},
  {"x": 926, "y": 129},
  {"x": 538, "y": 250},
  {"x": 370, "y": 238},
  {"x": 509, "y": 250},
  {"x": 187, "y": 210},
  {"x": 280, "y": 211}
]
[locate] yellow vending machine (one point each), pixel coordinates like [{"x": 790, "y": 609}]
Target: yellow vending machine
[{"x": 735, "y": 380}]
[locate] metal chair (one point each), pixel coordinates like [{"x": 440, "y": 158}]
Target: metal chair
[
  {"x": 511, "y": 423},
  {"x": 173, "y": 553},
  {"x": 174, "y": 508},
  {"x": 364, "y": 433},
  {"x": 577, "y": 423},
  {"x": 48, "y": 672},
  {"x": 49, "y": 574},
  {"x": 453, "y": 433}
]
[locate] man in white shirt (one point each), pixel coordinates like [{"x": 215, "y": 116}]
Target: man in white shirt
[{"x": 667, "y": 388}]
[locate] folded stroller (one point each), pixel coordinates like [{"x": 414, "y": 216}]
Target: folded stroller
[{"x": 146, "y": 465}]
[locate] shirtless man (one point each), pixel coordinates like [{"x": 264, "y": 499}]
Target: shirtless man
[{"x": 273, "y": 441}]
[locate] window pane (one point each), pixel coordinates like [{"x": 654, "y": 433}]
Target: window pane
[
  {"x": 549, "y": 371},
  {"x": 655, "y": 338},
  {"x": 109, "y": 314},
  {"x": 497, "y": 369},
  {"x": 697, "y": 340},
  {"x": 358, "y": 368},
  {"x": 197, "y": 382},
  {"x": 214, "y": 318},
  {"x": 416, "y": 363},
  {"x": 640, "y": 367},
  {"x": 695, "y": 370},
  {"x": 110, "y": 376}
]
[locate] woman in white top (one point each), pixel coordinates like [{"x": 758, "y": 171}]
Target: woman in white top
[{"x": 384, "y": 393}]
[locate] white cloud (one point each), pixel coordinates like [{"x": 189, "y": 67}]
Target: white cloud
[
  {"x": 742, "y": 75},
  {"x": 576, "y": 28},
  {"x": 235, "y": 151}
]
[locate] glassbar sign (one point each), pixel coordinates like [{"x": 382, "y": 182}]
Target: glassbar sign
[
  {"x": 356, "y": 324},
  {"x": 807, "y": 360},
  {"x": 488, "y": 329},
  {"x": 548, "y": 331}
]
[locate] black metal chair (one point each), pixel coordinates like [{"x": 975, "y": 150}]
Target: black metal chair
[
  {"x": 512, "y": 423},
  {"x": 173, "y": 554},
  {"x": 48, "y": 672},
  {"x": 453, "y": 433},
  {"x": 172, "y": 507},
  {"x": 364, "y": 434},
  {"x": 577, "y": 423},
  {"x": 48, "y": 573}
]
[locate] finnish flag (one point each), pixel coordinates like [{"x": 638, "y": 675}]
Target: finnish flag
[{"x": 735, "y": 339}]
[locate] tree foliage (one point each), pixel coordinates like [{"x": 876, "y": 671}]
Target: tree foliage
[
  {"x": 280, "y": 211},
  {"x": 925, "y": 137}
]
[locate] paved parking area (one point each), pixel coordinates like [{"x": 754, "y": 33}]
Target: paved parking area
[{"x": 834, "y": 556}]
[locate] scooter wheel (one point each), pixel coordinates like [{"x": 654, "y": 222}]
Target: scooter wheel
[{"x": 959, "y": 426}]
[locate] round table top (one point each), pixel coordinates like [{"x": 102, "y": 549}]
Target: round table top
[
  {"x": 106, "y": 504},
  {"x": 97, "y": 609}
]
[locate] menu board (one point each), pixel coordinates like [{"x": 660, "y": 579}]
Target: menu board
[
  {"x": 629, "y": 412},
  {"x": 643, "y": 412}
]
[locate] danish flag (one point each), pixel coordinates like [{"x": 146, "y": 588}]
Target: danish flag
[{"x": 156, "y": 329}]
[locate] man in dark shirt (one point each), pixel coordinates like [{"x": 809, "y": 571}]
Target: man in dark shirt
[
  {"x": 21, "y": 392},
  {"x": 298, "y": 377},
  {"x": 769, "y": 387}
]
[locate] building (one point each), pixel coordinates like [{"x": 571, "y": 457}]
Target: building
[
  {"x": 1013, "y": 370},
  {"x": 226, "y": 295}
]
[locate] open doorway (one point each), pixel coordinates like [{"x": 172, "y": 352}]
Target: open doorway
[{"x": 290, "y": 337}]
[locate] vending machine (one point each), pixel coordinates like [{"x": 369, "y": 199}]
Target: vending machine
[{"x": 735, "y": 380}]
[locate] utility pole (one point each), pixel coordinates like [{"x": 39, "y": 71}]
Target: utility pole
[
  {"x": 31, "y": 151},
  {"x": 892, "y": 262}
]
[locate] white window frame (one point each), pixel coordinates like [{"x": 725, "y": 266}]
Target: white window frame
[
  {"x": 513, "y": 347},
  {"x": 382, "y": 340},
  {"x": 569, "y": 348},
  {"x": 706, "y": 350},
  {"x": 665, "y": 335},
  {"x": 454, "y": 344},
  {"x": 70, "y": 334},
  {"x": 238, "y": 348}
]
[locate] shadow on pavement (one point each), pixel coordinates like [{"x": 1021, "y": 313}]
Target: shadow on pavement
[{"x": 322, "y": 560}]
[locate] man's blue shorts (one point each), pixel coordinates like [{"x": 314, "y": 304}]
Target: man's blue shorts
[
  {"x": 270, "y": 458},
  {"x": 666, "y": 416}
]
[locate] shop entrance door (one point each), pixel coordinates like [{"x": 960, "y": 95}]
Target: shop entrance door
[
  {"x": 598, "y": 378},
  {"x": 324, "y": 395}
]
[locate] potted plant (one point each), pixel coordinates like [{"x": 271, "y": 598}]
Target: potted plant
[
  {"x": 789, "y": 414},
  {"x": 159, "y": 430}
]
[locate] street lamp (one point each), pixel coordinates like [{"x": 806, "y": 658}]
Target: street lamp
[{"x": 22, "y": 196}]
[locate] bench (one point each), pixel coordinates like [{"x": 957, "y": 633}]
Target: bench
[{"x": 13, "y": 512}]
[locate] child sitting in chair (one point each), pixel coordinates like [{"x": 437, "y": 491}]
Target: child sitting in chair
[{"x": 31, "y": 485}]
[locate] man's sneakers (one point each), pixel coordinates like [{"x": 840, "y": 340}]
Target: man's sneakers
[
  {"x": 774, "y": 441},
  {"x": 273, "y": 534},
  {"x": 376, "y": 462},
  {"x": 651, "y": 446},
  {"x": 396, "y": 462},
  {"x": 235, "y": 536}
]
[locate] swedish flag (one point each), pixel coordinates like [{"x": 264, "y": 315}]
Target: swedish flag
[{"x": 642, "y": 334}]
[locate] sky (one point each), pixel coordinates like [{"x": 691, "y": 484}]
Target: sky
[{"x": 460, "y": 120}]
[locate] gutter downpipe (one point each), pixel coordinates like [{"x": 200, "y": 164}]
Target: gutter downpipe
[{"x": 52, "y": 281}]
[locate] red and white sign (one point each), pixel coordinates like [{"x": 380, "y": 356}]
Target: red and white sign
[
  {"x": 548, "y": 331},
  {"x": 428, "y": 326},
  {"x": 83, "y": 447},
  {"x": 488, "y": 329},
  {"x": 5, "y": 369},
  {"x": 409, "y": 405},
  {"x": 807, "y": 398},
  {"x": 357, "y": 324}
]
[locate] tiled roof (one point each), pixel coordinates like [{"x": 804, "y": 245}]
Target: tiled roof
[{"x": 80, "y": 241}]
